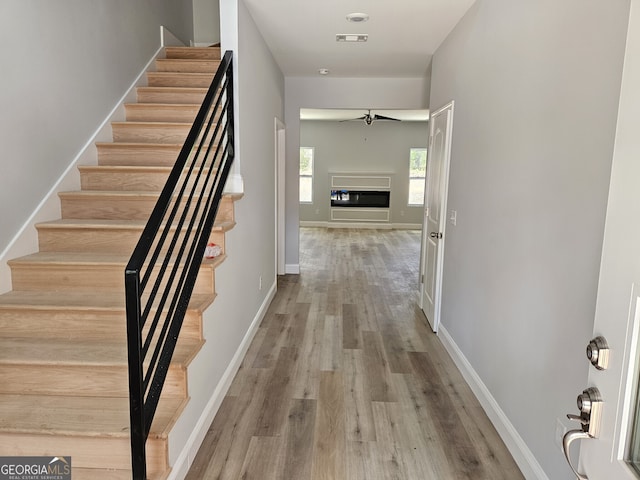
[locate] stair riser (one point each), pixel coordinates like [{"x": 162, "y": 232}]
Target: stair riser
[
  {"x": 150, "y": 133},
  {"x": 90, "y": 452},
  {"x": 99, "y": 240},
  {"x": 187, "y": 65},
  {"x": 170, "y": 79},
  {"x": 168, "y": 95},
  {"x": 82, "y": 278},
  {"x": 80, "y": 326},
  {"x": 97, "y": 178},
  {"x": 83, "y": 380},
  {"x": 121, "y": 208},
  {"x": 202, "y": 53},
  {"x": 138, "y": 155},
  {"x": 140, "y": 112}
]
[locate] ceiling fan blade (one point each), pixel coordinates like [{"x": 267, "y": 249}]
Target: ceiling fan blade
[
  {"x": 353, "y": 119},
  {"x": 382, "y": 117}
]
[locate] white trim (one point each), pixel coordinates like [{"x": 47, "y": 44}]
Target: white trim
[
  {"x": 235, "y": 183},
  {"x": 292, "y": 268},
  {"x": 378, "y": 226},
  {"x": 184, "y": 460},
  {"x": 280, "y": 146},
  {"x": 525, "y": 459},
  {"x": 25, "y": 240}
]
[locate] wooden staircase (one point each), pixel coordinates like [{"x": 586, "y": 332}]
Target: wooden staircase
[{"x": 63, "y": 356}]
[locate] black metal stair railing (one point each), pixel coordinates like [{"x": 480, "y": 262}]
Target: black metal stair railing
[{"x": 161, "y": 274}]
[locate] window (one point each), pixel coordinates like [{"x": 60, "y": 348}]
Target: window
[
  {"x": 417, "y": 174},
  {"x": 306, "y": 174}
]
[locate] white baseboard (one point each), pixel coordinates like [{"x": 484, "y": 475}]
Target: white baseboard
[
  {"x": 525, "y": 459},
  {"x": 292, "y": 268},
  {"x": 184, "y": 460},
  {"x": 377, "y": 226}
]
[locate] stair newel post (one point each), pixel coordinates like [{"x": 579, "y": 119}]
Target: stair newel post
[
  {"x": 136, "y": 379},
  {"x": 230, "y": 114}
]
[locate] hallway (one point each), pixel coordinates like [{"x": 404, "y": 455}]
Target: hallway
[{"x": 344, "y": 380}]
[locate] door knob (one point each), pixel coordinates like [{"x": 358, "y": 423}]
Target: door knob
[
  {"x": 435, "y": 235},
  {"x": 590, "y": 407}
]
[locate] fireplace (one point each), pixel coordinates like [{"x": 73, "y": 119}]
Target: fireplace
[{"x": 360, "y": 198}]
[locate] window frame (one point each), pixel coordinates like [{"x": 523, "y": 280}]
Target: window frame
[
  {"x": 310, "y": 176},
  {"x": 411, "y": 177}
]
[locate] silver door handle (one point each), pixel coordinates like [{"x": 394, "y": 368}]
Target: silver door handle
[
  {"x": 567, "y": 440},
  {"x": 590, "y": 407}
]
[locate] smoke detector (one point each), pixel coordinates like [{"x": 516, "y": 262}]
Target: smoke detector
[{"x": 357, "y": 17}]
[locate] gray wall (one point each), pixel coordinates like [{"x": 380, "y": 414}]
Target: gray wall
[
  {"x": 206, "y": 21},
  {"x": 356, "y": 147},
  {"x": 65, "y": 66},
  {"x": 536, "y": 88},
  {"x": 315, "y": 92}
]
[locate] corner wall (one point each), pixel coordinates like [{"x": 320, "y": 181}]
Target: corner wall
[{"x": 536, "y": 87}]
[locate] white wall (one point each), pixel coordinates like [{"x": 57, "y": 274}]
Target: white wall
[
  {"x": 206, "y": 22},
  {"x": 323, "y": 92},
  {"x": 65, "y": 66},
  {"x": 250, "y": 244},
  {"x": 536, "y": 88},
  {"x": 357, "y": 147}
]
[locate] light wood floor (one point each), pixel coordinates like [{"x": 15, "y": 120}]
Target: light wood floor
[{"x": 344, "y": 380}]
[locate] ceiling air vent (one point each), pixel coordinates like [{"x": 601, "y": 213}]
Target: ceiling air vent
[{"x": 352, "y": 37}]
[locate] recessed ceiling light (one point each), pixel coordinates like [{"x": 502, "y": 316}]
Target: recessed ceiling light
[
  {"x": 323, "y": 71},
  {"x": 357, "y": 17},
  {"x": 352, "y": 37}
]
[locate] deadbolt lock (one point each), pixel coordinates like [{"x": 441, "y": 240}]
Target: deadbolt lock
[{"x": 598, "y": 353}]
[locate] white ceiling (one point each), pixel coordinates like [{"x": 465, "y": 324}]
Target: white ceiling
[{"x": 403, "y": 34}]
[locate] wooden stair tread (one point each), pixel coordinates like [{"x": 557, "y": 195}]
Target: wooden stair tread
[
  {"x": 135, "y": 124},
  {"x": 73, "y": 223},
  {"x": 87, "y": 258},
  {"x": 111, "y": 474},
  {"x": 81, "y": 301},
  {"x": 202, "y": 90},
  {"x": 62, "y": 352},
  {"x": 85, "y": 416}
]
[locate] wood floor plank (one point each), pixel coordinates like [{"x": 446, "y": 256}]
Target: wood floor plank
[
  {"x": 263, "y": 460},
  {"x": 298, "y": 452},
  {"x": 306, "y": 381},
  {"x": 273, "y": 340},
  {"x": 351, "y": 336},
  {"x": 377, "y": 369},
  {"x": 329, "y": 461},
  {"x": 271, "y": 420},
  {"x": 332, "y": 343},
  {"x": 359, "y": 416}
]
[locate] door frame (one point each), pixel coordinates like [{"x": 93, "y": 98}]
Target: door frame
[
  {"x": 280, "y": 160},
  {"x": 435, "y": 321}
]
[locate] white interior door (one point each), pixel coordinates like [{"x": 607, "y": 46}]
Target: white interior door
[
  {"x": 617, "y": 308},
  {"x": 435, "y": 207}
]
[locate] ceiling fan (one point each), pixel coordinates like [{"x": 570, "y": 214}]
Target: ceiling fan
[{"x": 369, "y": 119}]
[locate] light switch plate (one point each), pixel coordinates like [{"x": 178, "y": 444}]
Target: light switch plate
[{"x": 453, "y": 215}]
